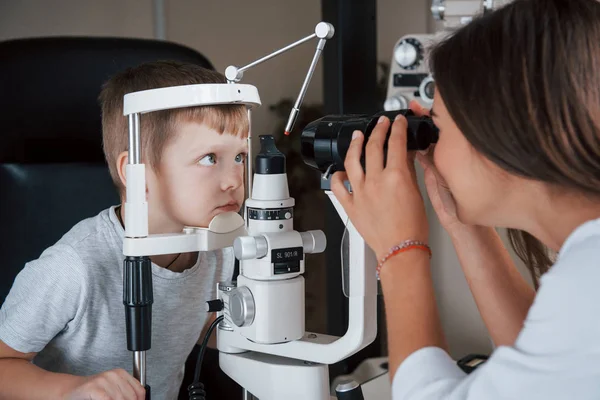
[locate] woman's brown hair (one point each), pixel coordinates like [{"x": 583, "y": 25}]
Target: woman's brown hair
[{"x": 523, "y": 85}]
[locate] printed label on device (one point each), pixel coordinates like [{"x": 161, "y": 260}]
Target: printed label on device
[{"x": 287, "y": 254}]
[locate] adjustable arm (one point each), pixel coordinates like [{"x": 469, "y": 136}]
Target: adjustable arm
[{"x": 323, "y": 31}]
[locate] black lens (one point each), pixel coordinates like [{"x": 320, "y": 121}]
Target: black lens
[{"x": 325, "y": 142}]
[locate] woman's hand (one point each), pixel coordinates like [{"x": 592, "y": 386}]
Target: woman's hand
[
  {"x": 437, "y": 188},
  {"x": 385, "y": 205}
]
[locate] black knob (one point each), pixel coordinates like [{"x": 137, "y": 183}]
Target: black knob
[
  {"x": 349, "y": 391},
  {"x": 214, "y": 305}
]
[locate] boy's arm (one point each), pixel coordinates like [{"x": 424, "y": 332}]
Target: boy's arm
[
  {"x": 20, "y": 379},
  {"x": 48, "y": 296}
]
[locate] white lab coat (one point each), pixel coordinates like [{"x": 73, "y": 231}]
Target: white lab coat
[{"x": 556, "y": 355}]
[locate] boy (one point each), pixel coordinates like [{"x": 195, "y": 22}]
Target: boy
[{"x": 65, "y": 311}]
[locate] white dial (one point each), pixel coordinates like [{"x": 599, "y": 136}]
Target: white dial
[
  {"x": 409, "y": 53},
  {"x": 427, "y": 89},
  {"x": 250, "y": 247},
  {"x": 405, "y": 54},
  {"x": 394, "y": 103}
]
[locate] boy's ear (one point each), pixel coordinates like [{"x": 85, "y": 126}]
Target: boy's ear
[{"x": 122, "y": 160}]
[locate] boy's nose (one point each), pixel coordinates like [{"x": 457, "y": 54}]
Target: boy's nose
[{"x": 232, "y": 179}]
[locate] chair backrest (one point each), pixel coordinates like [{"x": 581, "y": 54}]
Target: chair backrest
[{"x": 52, "y": 168}]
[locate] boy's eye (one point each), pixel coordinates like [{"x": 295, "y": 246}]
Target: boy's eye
[
  {"x": 209, "y": 159},
  {"x": 240, "y": 158}
]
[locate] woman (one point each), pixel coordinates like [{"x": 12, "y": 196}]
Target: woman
[{"x": 518, "y": 107}]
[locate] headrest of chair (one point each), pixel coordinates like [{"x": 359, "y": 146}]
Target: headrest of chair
[{"x": 49, "y": 89}]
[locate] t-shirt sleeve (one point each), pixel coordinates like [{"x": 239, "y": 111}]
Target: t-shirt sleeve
[
  {"x": 556, "y": 356},
  {"x": 47, "y": 297},
  {"x": 226, "y": 267}
]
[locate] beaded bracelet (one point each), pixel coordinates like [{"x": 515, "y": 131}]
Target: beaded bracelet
[{"x": 402, "y": 247}]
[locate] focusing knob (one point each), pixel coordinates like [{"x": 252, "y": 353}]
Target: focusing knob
[
  {"x": 349, "y": 391},
  {"x": 313, "y": 242},
  {"x": 214, "y": 305},
  {"x": 241, "y": 306},
  {"x": 409, "y": 53},
  {"x": 250, "y": 247},
  {"x": 395, "y": 103}
]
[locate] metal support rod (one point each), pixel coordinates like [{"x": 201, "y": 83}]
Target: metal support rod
[
  {"x": 134, "y": 139},
  {"x": 250, "y": 157},
  {"x": 248, "y": 395},
  {"x": 313, "y": 66},
  {"x": 160, "y": 31},
  {"x": 278, "y": 52},
  {"x": 139, "y": 366}
]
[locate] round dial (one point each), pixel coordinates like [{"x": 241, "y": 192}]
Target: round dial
[
  {"x": 395, "y": 103},
  {"x": 241, "y": 306},
  {"x": 409, "y": 53},
  {"x": 270, "y": 215},
  {"x": 427, "y": 89}
]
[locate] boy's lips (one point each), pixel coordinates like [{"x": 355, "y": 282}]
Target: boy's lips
[{"x": 231, "y": 206}]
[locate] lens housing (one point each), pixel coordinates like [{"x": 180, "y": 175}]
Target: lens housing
[{"x": 325, "y": 142}]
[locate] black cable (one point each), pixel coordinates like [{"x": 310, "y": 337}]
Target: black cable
[{"x": 196, "y": 389}]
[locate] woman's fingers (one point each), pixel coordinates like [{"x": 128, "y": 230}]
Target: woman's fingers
[
  {"x": 374, "y": 150},
  {"x": 352, "y": 165},
  {"x": 418, "y": 109},
  {"x": 397, "y": 152}
]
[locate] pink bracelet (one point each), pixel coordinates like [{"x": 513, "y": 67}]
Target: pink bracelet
[{"x": 402, "y": 247}]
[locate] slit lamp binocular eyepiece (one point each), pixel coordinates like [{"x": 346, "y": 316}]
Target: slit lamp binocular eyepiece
[{"x": 325, "y": 142}]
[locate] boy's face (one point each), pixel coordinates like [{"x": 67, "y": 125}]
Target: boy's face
[{"x": 201, "y": 174}]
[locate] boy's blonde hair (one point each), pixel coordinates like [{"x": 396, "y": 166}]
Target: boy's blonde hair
[{"x": 158, "y": 127}]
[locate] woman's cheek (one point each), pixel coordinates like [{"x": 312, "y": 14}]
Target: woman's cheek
[
  {"x": 443, "y": 161},
  {"x": 438, "y": 156}
]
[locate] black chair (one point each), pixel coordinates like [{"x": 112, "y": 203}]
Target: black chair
[{"x": 52, "y": 168}]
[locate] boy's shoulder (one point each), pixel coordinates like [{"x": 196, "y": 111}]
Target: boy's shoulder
[
  {"x": 87, "y": 229},
  {"x": 92, "y": 239}
]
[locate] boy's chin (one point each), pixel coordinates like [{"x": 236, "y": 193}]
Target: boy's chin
[
  {"x": 204, "y": 221},
  {"x": 198, "y": 222}
]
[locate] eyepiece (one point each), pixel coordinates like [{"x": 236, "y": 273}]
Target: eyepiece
[{"x": 325, "y": 142}]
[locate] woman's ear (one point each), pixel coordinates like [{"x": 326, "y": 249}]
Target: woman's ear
[{"x": 122, "y": 160}]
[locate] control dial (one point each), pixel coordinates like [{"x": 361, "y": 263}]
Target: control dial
[
  {"x": 427, "y": 89},
  {"x": 409, "y": 53},
  {"x": 241, "y": 306},
  {"x": 250, "y": 247},
  {"x": 394, "y": 103}
]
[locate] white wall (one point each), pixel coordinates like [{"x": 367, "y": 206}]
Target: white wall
[{"x": 237, "y": 32}]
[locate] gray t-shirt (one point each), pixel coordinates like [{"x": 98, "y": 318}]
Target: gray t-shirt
[{"x": 68, "y": 307}]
